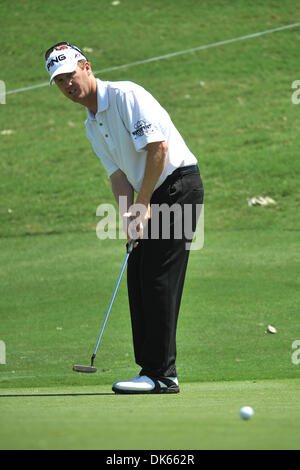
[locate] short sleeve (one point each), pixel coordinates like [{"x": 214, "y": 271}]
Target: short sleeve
[{"x": 143, "y": 117}]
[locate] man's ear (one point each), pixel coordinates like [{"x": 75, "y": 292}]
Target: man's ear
[{"x": 88, "y": 68}]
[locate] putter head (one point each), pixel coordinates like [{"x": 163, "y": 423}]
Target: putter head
[{"x": 87, "y": 369}]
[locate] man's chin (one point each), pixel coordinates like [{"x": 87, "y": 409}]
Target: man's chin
[{"x": 77, "y": 97}]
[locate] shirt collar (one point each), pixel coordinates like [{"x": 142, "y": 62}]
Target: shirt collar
[{"x": 102, "y": 98}]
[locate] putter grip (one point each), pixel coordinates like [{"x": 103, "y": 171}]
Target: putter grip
[{"x": 129, "y": 246}]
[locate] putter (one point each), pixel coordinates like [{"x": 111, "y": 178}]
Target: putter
[{"x": 91, "y": 368}]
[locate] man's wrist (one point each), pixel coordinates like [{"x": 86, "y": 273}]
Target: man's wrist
[{"x": 143, "y": 198}]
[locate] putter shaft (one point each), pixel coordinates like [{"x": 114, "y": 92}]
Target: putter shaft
[{"x": 91, "y": 368}]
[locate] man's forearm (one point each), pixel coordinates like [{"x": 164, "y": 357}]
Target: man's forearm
[
  {"x": 155, "y": 163},
  {"x": 121, "y": 187}
]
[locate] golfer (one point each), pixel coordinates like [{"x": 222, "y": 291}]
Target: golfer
[{"x": 150, "y": 165}]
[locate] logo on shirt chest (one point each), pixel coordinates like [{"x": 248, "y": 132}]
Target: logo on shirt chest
[{"x": 142, "y": 128}]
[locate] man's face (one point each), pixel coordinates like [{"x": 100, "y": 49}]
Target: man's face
[{"x": 76, "y": 85}]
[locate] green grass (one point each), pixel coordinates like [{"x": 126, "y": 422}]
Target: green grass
[
  {"x": 57, "y": 290},
  {"x": 203, "y": 416},
  {"x": 233, "y": 106},
  {"x": 231, "y": 103}
]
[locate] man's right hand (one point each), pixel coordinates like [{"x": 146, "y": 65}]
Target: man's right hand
[{"x": 135, "y": 221}]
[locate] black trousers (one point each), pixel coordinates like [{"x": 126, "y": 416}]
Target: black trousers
[{"x": 156, "y": 271}]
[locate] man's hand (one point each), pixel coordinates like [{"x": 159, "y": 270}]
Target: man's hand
[{"x": 135, "y": 221}]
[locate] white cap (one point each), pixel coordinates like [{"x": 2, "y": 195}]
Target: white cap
[{"x": 63, "y": 60}]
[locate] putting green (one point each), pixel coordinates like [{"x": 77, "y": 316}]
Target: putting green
[{"x": 202, "y": 416}]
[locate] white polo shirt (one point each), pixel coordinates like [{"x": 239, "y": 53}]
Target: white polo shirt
[{"x": 128, "y": 118}]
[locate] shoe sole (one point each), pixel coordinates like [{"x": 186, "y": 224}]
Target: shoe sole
[{"x": 145, "y": 392}]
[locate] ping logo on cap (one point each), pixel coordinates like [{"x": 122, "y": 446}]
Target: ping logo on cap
[
  {"x": 55, "y": 60},
  {"x": 63, "y": 60}
]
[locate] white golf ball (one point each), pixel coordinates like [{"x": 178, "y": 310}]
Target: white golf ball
[{"x": 246, "y": 412}]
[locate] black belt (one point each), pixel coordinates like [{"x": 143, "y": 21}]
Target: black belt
[
  {"x": 185, "y": 170},
  {"x": 181, "y": 171}
]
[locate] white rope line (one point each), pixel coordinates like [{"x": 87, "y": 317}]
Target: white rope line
[{"x": 167, "y": 56}]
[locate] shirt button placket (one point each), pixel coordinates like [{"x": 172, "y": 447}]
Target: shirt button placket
[
  {"x": 101, "y": 124},
  {"x": 103, "y": 130}
]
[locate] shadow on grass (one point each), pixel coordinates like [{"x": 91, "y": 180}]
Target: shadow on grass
[{"x": 57, "y": 395}]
